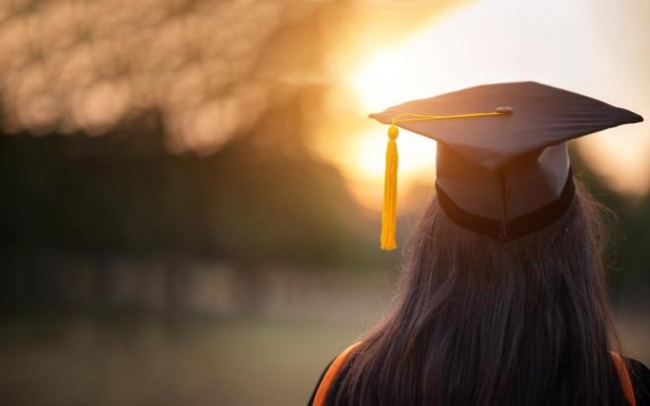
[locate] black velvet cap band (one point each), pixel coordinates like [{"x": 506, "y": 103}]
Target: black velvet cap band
[{"x": 517, "y": 227}]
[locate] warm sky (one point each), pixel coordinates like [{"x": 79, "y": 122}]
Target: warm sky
[
  {"x": 599, "y": 48},
  {"x": 215, "y": 69}
]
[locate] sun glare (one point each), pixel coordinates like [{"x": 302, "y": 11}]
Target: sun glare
[
  {"x": 454, "y": 53},
  {"x": 416, "y": 155},
  {"x": 365, "y": 157},
  {"x": 387, "y": 79}
]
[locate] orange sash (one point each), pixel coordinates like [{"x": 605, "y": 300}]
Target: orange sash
[
  {"x": 624, "y": 377},
  {"x": 333, "y": 370}
]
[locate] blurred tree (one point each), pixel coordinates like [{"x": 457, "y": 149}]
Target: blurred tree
[{"x": 124, "y": 193}]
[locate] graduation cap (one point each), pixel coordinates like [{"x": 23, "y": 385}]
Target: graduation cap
[{"x": 503, "y": 169}]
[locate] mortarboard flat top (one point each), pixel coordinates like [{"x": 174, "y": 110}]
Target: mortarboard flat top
[
  {"x": 505, "y": 175},
  {"x": 542, "y": 116}
]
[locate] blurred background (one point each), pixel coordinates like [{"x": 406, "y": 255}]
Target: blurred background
[{"x": 191, "y": 188}]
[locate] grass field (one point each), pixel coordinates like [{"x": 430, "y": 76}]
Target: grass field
[
  {"x": 270, "y": 359},
  {"x": 155, "y": 362}
]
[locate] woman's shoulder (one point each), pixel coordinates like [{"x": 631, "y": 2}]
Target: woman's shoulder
[
  {"x": 640, "y": 376},
  {"x": 318, "y": 383},
  {"x": 327, "y": 380}
]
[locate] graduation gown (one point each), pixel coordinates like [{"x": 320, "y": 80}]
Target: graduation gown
[{"x": 639, "y": 376}]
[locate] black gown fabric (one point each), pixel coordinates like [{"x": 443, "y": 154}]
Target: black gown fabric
[{"x": 639, "y": 375}]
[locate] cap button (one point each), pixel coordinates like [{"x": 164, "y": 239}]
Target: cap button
[
  {"x": 504, "y": 109},
  {"x": 393, "y": 132}
]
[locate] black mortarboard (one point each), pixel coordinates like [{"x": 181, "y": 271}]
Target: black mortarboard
[{"x": 502, "y": 169}]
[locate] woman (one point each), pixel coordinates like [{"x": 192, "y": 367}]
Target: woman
[{"x": 503, "y": 296}]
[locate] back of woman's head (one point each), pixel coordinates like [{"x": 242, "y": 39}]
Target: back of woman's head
[{"x": 488, "y": 322}]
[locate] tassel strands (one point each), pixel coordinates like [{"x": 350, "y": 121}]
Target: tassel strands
[{"x": 389, "y": 209}]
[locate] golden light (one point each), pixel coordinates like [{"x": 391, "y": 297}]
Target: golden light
[
  {"x": 456, "y": 51},
  {"x": 416, "y": 153},
  {"x": 384, "y": 80},
  {"x": 361, "y": 159},
  {"x": 387, "y": 79}
]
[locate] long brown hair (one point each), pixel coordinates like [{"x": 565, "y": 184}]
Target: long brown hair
[{"x": 486, "y": 322}]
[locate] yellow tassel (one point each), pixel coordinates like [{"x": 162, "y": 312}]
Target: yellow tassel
[{"x": 389, "y": 210}]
